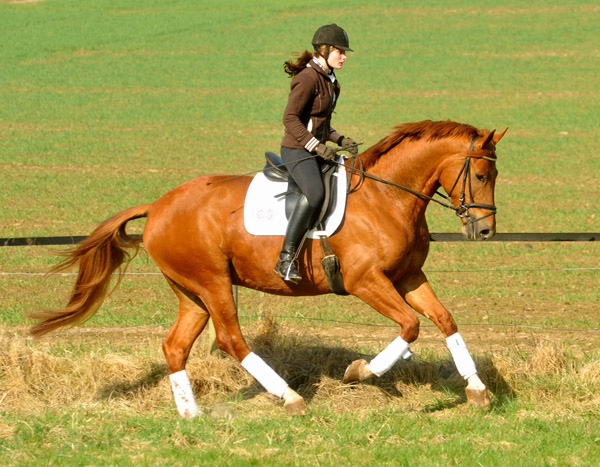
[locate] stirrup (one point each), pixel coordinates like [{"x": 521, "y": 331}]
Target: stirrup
[{"x": 288, "y": 270}]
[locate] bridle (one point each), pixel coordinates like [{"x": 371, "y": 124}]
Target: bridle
[{"x": 462, "y": 210}]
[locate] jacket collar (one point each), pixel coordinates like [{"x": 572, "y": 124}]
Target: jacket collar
[{"x": 317, "y": 65}]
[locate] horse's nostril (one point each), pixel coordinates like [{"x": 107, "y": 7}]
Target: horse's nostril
[{"x": 487, "y": 233}]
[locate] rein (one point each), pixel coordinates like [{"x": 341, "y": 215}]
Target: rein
[{"x": 462, "y": 210}]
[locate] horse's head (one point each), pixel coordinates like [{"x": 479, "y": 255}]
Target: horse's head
[{"x": 470, "y": 182}]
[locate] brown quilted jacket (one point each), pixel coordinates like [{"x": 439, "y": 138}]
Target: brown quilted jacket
[{"x": 307, "y": 116}]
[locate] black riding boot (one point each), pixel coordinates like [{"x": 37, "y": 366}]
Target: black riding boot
[{"x": 298, "y": 225}]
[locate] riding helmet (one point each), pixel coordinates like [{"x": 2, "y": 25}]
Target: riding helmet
[{"x": 332, "y": 34}]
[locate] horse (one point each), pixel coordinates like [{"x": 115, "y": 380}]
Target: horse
[{"x": 196, "y": 236}]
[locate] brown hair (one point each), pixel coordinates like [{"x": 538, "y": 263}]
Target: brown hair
[{"x": 292, "y": 67}]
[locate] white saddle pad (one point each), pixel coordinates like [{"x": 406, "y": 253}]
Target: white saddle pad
[{"x": 264, "y": 214}]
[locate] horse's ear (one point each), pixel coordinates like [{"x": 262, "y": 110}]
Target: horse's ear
[
  {"x": 498, "y": 136},
  {"x": 492, "y": 136},
  {"x": 487, "y": 139}
]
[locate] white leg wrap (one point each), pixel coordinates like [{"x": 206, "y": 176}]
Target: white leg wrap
[
  {"x": 184, "y": 395},
  {"x": 389, "y": 356},
  {"x": 462, "y": 358},
  {"x": 264, "y": 374}
]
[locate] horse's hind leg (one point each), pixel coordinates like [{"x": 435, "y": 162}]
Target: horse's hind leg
[
  {"x": 190, "y": 322},
  {"x": 419, "y": 295},
  {"x": 192, "y": 317},
  {"x": 230, "y": 339}
]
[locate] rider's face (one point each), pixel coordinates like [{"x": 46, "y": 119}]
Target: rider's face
[{"x": 336, "y": 58}]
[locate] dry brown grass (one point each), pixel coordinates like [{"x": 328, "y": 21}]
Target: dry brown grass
[{"x": 124, "y": 370}]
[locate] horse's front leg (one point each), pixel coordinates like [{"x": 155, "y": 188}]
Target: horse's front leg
[
  {"x": 417, "y": 292},
  {"x": 378, "y": 291}
]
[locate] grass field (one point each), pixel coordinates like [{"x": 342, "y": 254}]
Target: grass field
[{"x": 106, "y": 104}]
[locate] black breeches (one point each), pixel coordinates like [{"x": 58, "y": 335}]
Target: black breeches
[{"x": 306, "y": 172}]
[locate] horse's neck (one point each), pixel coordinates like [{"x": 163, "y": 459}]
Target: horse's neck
[{"x": 412, "y": 165}]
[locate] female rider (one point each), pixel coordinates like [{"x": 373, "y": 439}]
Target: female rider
[{"x": 307, "y": 120}]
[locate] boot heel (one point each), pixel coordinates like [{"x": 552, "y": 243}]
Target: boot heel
[{"x": 287, "y": 270}]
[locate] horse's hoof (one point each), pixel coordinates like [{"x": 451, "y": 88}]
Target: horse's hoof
[
  {"x": 294, "y": 403},
  {"x": 296, "y": 407},
  {"x": 478, "y": 397},
  {"x": 357, "y": 371},
  {"x": 190, "y": 413}
]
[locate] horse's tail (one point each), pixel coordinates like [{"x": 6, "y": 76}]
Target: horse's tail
[{"x": 98, "y": 256}]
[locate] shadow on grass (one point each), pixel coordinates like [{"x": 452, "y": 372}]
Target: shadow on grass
[
  {"x": 304, "y": 365},
  {"x": 307, "y": 366}
]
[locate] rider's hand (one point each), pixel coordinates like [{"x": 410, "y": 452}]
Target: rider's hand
[
  {"x": 349, "y": 145},
  {"x": 326, "y": 152}
]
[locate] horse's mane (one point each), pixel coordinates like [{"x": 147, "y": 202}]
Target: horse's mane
[{"x": 415, "y": 131}]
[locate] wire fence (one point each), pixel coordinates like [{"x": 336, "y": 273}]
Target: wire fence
[
  {"x": 435, "y": 237},
  {"x": 333, "y": 321},
  {"x": 345, "y": 322}
]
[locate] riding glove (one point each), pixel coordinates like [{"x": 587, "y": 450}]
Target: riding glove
[
  {"x": 349, "y": 145},
  {"x": 326, "y": 152}
]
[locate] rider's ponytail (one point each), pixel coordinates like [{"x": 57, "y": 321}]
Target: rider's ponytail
[{"x": 292, "y": 67}]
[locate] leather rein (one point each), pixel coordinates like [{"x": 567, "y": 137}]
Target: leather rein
[{"x": 462, "y": 210}]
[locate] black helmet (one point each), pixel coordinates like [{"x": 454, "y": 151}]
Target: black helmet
[{"x": 332, "y": 34}]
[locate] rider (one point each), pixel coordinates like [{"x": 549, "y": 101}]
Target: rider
[{"x": 307, "y": 119}]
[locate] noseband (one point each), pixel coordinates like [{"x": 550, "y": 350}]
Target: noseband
[{"x": 462, "y": 210}]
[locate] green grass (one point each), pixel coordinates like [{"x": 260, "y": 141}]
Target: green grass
[
  {"x": 106, "y": 104},
  {"x": 119, "y": 108},
  {"x": 543, "y": 413},
  {"x": 388, "y": 437},
  {"x": 545, "y": 406}
]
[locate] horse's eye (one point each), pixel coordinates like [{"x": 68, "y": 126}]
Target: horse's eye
[{"x": 480, "y": 178}]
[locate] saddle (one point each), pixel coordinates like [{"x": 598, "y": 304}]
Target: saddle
[{"x": 275, "y": 170}]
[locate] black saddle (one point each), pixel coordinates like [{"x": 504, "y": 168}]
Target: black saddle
[{"x": 276, "y": 171}]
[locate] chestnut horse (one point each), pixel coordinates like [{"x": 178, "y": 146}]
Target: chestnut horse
[{"x": 195, "y": 234}]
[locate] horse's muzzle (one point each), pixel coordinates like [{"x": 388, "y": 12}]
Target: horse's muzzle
[{"x": 483, "y": 229}]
